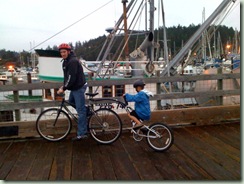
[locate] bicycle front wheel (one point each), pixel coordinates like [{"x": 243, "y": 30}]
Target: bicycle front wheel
[
  {"x": 160, "y": 137},
  {"x": 53, "y": 124},
  {"x": 105, "y": 126}
]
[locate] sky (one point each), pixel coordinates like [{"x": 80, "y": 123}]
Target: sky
[{"x": 25, "y": 24}]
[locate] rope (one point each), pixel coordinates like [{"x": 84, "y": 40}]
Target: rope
[{"x": 71, "y": 25}]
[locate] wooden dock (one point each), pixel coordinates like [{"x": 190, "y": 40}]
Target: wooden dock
[{"x": 210, "y": 152}]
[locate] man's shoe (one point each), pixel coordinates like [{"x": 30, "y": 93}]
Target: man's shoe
[
  {"x": 137, "y": 126},
  {"x": 79, "y": 137}
]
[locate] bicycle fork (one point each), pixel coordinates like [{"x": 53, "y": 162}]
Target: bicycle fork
[{"x": 58, "y": 113}]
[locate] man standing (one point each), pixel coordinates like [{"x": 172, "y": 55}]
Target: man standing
[{"x": 74, "y": 80}]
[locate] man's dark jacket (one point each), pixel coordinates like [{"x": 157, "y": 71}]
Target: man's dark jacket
[{"x": 74, "y": 77}]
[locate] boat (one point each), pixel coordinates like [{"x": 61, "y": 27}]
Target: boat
[
  {"x": 188, "y": 70},
  {"x": 26, "y": 97},
  {"x": 10, "y": 72},
  {"x": 140, "y": 63},
  {"x": 3, "y": 78}
]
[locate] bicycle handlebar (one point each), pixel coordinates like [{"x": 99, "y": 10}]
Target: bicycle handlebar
[{"x": 61, "y": 94}]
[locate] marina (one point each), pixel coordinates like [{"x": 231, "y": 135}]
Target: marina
[
  {"x": 196, "y": 92},
  {"x": 149, "y": 60}
]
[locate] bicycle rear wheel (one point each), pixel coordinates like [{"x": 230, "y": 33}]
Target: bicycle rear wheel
[
  {"x": 160, "y": 137},
  {"x": 53, "y": 124},
  {"x": 105, "y": 126}
]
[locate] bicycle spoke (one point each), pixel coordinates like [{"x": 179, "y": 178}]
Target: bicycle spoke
[
  {"x": 105, "y": 126},
  {"x": 53, "y": 124},
  {"x": 160, "y": 137}
]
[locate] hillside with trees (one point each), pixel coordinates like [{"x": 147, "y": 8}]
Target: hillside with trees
[{"x": 89, "y": 50}]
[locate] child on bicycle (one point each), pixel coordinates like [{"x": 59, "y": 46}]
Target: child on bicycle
[{"x": 142, "y": 106}]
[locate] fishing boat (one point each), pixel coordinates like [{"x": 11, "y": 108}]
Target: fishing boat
[{"x": 140, "y": 63}]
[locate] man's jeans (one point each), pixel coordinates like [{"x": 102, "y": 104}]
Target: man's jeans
[{"x": 77, "y": 97}]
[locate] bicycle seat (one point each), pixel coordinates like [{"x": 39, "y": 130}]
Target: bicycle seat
[{"x": 91, "y": 94}]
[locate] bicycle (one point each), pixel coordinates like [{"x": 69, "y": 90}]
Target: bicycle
[
  {"x": 104, "y": 125},
  {"x": 159, "y": 136}
]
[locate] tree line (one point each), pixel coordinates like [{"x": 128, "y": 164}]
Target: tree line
[{"x": 89, "y": 50}]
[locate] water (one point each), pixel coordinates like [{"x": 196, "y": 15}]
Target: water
[{"x": 21, "y": 79}]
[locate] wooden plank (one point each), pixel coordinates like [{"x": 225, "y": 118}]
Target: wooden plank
[
  {"x": 197, "y": 154},
  {"x": 234, "y": 128},
  {"x": 24, "y": 161},
  {"x": 42, "y": 165},
  {"x": 101, "y": 165},
  {"x": 186, "y": 165},
  {"x": 25, "y": 105},
  {"x": 48, "y": 150},
  {"x": 121, "y": 163},
  {"x": 216, "y": 152},
  {"x": 4, "y": 146},
  {"x": 227, "y": 149},
  {"x": 198, "y": 151},
  {"x": 61, "y": 166},
  {"x": 40, "y": 170},
  {"x": 29, "y": 86},
  {"x": 226, "y": 133},
  {"x": 81, "y": 162},
  {"x": 177, "y": 78},
  {"x": 138, "y": 156},
  {"x": 167, "y": 168},
  {"x": 5, "y": 169},
  {"x": 109, "y": 170},
  {"x": 195, "y": 116},
  {"x": 9, "y": 158}
]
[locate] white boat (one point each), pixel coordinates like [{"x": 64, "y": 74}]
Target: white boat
[
  {"x": 20, "y": 79},
  {"x": 10, "y": 72},
  {"x": 3, "y": 78},
  {"x": 188, "y": 70}
]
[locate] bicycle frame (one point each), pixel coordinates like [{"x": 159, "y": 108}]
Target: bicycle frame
[
  {"x": 109, "y": 101},
  {"x": 63, "y": 105},
  {"x": 90, "y": 108}
]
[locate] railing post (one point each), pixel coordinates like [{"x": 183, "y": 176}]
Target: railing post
[
  {"x": 29, "y": 81},
  {"x": 89, "y": 79},
  {"x": 16, "y": 99},
  {"x": 220, "y": 86},
  {"x": 158, "y": 89}
]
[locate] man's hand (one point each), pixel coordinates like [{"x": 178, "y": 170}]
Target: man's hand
[{"x": 60, "y": 90}]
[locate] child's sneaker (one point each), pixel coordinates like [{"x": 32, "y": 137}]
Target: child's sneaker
[
  {"x": 144, "y": 130},
  {"x": 137, "y": 126}
]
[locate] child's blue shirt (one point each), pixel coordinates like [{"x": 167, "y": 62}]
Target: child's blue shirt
[{"x": 142, "y": 104}]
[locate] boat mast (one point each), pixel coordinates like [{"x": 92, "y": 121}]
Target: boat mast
[
  {"x": 125, "y": 30},
  {"x": 151, "y": 27},
  {"x": 204, "y": 34},
  {"x": 126, "y": 37},
  {"x": 176, "y": 60},
  {"x": 111, "y": 37}
]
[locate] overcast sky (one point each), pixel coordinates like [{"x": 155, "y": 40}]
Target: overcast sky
[{"x": 27, "y": 23}]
